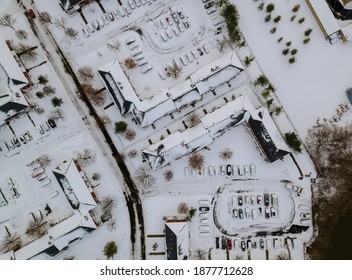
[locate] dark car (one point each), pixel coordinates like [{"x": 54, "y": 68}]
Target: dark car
[
  {"x": 249, "y": 244},
  {"x": 204, "y": 208},
  {"x": 217, "y": 241},
  {"x": 229, "y": 170},
  {"x": 349, "y": 94},
  {"x": 261, "y": 244},
  {"x": 52, "y": 123},
  {"x": 223, "y": 243},
  {"x": 243, "y": 245},
  {"x": 240, "y": 213},
  {"x": 266, "y": 199},
  {"x": 209, "y": 4},
  {"x": 229, "y": 244},
  {"x": 240, "y": 200}
]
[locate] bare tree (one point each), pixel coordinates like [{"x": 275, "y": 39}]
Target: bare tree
[
  {"x": 44, "y": 160},
  {"x": 105, "y": 119},
  {"x": 86, "y": 74},
  {"x": 133, "y": 153},
  {"x": 168, "y": 175},
  {"x": 111, "y": 225},
  {"x": 21, "y": 34},
  {"x": 85, "y": 157},
  {"x": 107, "y": 204},
  {"x": 182, "y": 208},
  {"x": 69, "y": 258},
  {"x": 193, "y": 119},
  {"x": 45, "y": 17},
  {"x": 283, "y": 256},
  {"x": 174, "y": 71},
  {"x": 144, "y": 177},
  {"x": 39, "y": 110},
  {"x": 114, "y": 45},
  {"x": 222, "y": 44},
  {"x": 196, "y": 161},
  {"x": 49, "y": 90},
  {"x": 37, "y": 228},
  {"x": 26, "y": 52},
  {"x": 200, "y": 254},
  {"x": 130, "y": 134},
  {"x": 10, "y": 242},
  {"x": 97, "y": 97},
  {"x": 7, "y": 20},
  {"x": 71, "y": 32},
  {"x": 226, "y": 154},
  {"x": 60, "y": 23},
  {"x": 57, "y": 114},
  {"x": 130, "y": 63}
]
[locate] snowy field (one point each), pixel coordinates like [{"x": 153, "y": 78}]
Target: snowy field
[
  {"x": 309, "y": 89},
  {"x": 314, "y": 86}
]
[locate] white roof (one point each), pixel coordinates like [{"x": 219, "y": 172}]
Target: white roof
[
  {"x": 65, "y": 240},
  {"x": 325, "y": 16},
  {"x": 79, "y": 187},
  {"x": 33, "y": 248},
  {"x": 273, "y": 131},
  {"x": 163, "y": 102},
  {"x": 11, "y": 67},
  {"x": 180, "y": 229}
]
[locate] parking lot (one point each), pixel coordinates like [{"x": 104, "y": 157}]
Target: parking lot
[
  {"x": 229, "y": 171},
  {"x": 245, "y": 205}
]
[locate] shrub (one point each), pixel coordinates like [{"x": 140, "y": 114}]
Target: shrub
[
  {"x": 294, "y": 51},
  {"x": 261, "y": 6},
  {"x": 308, "y": 32},
  {"x": 306, "y": 41},
  {"x": 261, "y": 80},
  {"x": 270, "y": 7},
  {"x": 280, "y": 39},
  {"x": 40, "y": 94},
  {"x": 248, "y": 60},
  {"x": 56, "y": 101},
  {"x": 266, "y": 93},
  {"x": 120, "y": 127},
  {"x": 277, "y": 19},
  {"x": 288, "y": 43},
  {"x": 293, "y": 17},
  {"x": 292, "y": 60},
  {"x": 273, "y": 30},
  {"x": 293, "y": 141},
  {"x": 43, "y": 79},
  {"x": 296, "y": 8},
  {"x": 285, "y": 51},
  {"x": 267, "y": 18},
  {"x": 301, "y": 20}
]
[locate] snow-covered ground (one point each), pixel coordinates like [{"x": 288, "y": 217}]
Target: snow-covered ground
[{"x": 309, "y": 89}]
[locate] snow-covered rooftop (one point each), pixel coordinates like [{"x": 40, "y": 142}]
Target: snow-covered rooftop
[
  {"x": 167, "y": 100},
  {"x": 324, "y": 16},
  {"x": 177, "y": 243},
  {"x": 214, "y": 125},
  {"x": 73, "y": 184}
]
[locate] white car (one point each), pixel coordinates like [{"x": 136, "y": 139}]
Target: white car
[
  {"x": 130, "y": 40},
  {"x": 252, "y": 169},
  {"x": 246, "y": 170},
  {"x": 136, "y": 51},
  {"x": 211, "y": 170},
  {"x": 146, "y": 68},
  {"x": 222, "y": 170}
]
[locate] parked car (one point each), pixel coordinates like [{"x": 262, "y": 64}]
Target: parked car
[
  {"x": 248, "y": 213},
  {"x": 96, "y": 25},
  {"x": 211, "y": 170},
  {"x": 249, "y": 244},
  {"x": 254, "y": 214},
  {"x": 136, "y": 51},
  {"x": 243, "y": 245},
  {"x": 209, "y": 4},
  {"x": 272, "y": 212},
  {"x": 252, "y": 169},
  {"x": 240, "y": 170},
  {"x": 229, "y": 170},
  {"x": 267, "y": 213},
  {"x": 217, "y": 242},
  {"x": 261, "y": 244},
  {"x": 259, "y": 199},
  {"x": 27, "y": 136},
  {"x": 42, "y": 177},
  {"x": 38, "y": 172},
  {"x": 223, "y": 243},
  {"x": 240, "y": 200},
  {"x": 86, "y": 31},
  {"x": 228, "y": 244},
  {"x": 204, "y": 208},
  {"x": 222, "y": 170},
  {"x": 235, "y": 170},
  {"x": 111, "y": 16},
  {"x": 22, "y": 139},
  {"x": 52, "y": 123},
  {"x": 146, "y": 68},
  {"x": 240, "y": 213},
  {"x": 235, "y": 214},
  {"x": 266, "y": 199},
  {"x": 246, "y": 170},
  {"x": 273, "y": 199}
]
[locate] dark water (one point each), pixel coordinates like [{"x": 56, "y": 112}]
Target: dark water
[{"x": 341, "y": 243}]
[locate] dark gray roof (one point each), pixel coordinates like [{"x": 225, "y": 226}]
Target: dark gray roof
[
  {"x": 264, "y": 139},
  {"x": 67, "y": 4},
  {"x": 171, "y": 244},
  {"x": 12, "y": 106}
]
